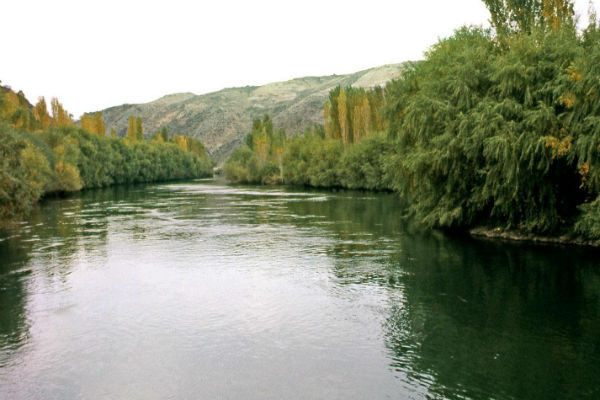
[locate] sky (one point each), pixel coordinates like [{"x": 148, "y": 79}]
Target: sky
[{"x": 96, "y": 54}]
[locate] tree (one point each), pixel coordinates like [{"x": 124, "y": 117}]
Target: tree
[
  {"x": 139, "y": 128},
  {"x": 163, "y": 135},
  {"x": 132, "y": 129},
  {"x": 40, "y": 112},
  {"x": 93, "y": 123},
  {"x": 331, "y": 114},
  {"x": 343, "y": 116},
  {"x": 60, "y": 117},
  {"x": 509, "y": 16}
]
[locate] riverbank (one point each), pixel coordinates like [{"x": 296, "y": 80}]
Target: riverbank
[
  {"x": 69, "y": 159},
  {"x": 516, "y": 236}
]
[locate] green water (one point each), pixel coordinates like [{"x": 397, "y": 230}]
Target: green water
[{"x": 204, "y": 291}]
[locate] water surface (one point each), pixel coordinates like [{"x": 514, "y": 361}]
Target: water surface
[{"x": 202, "y": 291}]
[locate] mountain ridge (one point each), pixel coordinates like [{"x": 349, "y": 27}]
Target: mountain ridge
[{"x": 221, "y": 119}]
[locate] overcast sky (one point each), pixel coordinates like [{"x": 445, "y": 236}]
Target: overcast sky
[{"x": 97, "y": 54}]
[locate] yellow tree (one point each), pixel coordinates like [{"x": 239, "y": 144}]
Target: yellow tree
[
  {"x": 376, "y": 105},
  {"x": 40, "y": 113},
  {"x": 132, "y": 128},
  {"x": 361, "y": 114},
  {"x": 139, "y": 128},
  {"x": 182, "y": 141},
  {"x": 327, "y": 119},
  {"x": 60, "y": 117},
  {"x": 260, "y": 144},
  {"x": 10, "y": 104},
  {"x": 343, "y": 116},
  {"x": 557, "y": 13},
  {"x": 162, "y": 135},
  {"x": 93, "y": 123}
]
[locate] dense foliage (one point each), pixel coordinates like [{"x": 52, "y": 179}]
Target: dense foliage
[
  {"x": 42, "y": 154},
  {"x": 312, "y": 159},
  {"x": 500, "y": 130},
  {"x": 495, "y": 127},
  {"x": 351, "y": 113},
  {"x": 321, "y": 162},
  {"x": 259, "y": 160}
]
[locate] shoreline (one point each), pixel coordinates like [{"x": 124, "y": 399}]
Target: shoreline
[{"x": 498, "y": 233}]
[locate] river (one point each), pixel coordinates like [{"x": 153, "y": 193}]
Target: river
[{"x": 200, "y": 290}]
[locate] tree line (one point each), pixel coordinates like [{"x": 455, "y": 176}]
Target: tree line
[
  {"x": 43, "y": 153},
  {"x": 497, "y": 127}
]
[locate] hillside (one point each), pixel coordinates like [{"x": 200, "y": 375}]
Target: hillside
[{"x": 222, "y": 119}]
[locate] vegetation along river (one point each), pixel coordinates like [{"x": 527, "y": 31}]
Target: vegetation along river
[{"x": 202, "y": 290}]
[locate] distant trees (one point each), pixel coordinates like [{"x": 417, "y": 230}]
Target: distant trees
[
  {"x": 186, "y": 143},
  {"x": 18, "y": 112},
  {"x": 135, "y": 128},
  {"x": 310, "y": 159},
  {"x": 40, "y": 113},
  {"x": 60, "y": 117},
  {"x": 131, "y": 133},
  {"x": 16, "y": 109},
  {"x": 93, "y": 123},
  {"x": 351, "y": 113},
  {"x": 42, "y": 154},
  {"x": 259, "y": 161},
  {"x": 139, "y": 128},
  {"x": 162, "y": 135}
]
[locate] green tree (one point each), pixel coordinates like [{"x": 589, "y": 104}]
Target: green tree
[
  {"x": 139, "y": 128},
  {"x": 132, "y": 129},
  {"x": 508, "y": 16}
]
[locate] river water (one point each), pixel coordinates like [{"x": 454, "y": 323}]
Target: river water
[{"x": 201, "y": 290}]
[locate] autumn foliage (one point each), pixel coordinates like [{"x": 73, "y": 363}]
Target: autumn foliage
[{"x": 43, "y": 153}]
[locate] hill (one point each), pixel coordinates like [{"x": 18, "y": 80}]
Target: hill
[{"x": 222, "y": 119}]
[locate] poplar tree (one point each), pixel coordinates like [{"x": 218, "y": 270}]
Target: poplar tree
[
  {"x": 40, "y": 112},
  {"x": 139, "y": 128},
  {"x": 163, "y": 135},
  {"x": 132, "y": 128},
  {"x": 60, "y": 117},
  {"x": 342, "y": 110},
  {"x": 93, "y": 123}
]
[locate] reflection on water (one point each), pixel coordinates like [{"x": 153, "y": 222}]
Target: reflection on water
[{"x": 201, "y": 290}]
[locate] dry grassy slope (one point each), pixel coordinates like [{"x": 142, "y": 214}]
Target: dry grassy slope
[{"x": 222, "y": 119}]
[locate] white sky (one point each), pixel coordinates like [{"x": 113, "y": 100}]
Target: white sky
[{"x": 93, "y": 55}]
